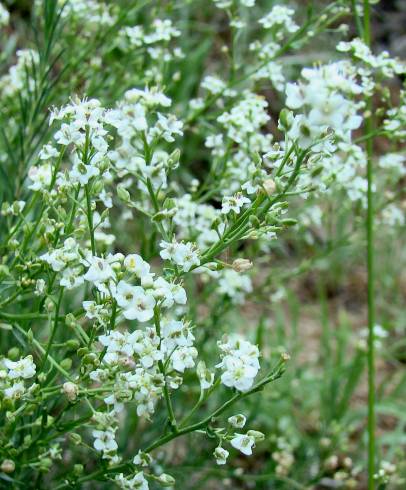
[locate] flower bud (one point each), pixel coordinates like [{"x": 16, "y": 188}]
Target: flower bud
[
  {"x": 78, "y": 469},
  {"x": 71, "y": 390},
  {"x": 220, "y": 454},
  {"x": 206, "y": 377},
  {"x": 289, "y": 222},
  {"x": 166, "y": 480},
  {"x": 66, "y": 363},
  {"x": 173, "y": 160},
  {"x": 123, "y": 194},
  {"x": 72, "y": 344},
  {"x": 75, "y": 438},
  {"x": 285, "y": 120},
  {"x": 269, "y": 186},
  {"x": 7, "y": 466},
  {"x": 258, "y": 436},
  {"x": 237, "y": 421},
  {"x": 13, "y": 354},
  {"x": 242, "y": 265}
]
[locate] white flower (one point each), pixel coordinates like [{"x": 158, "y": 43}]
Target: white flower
[
  {"x": 99, "y": 270},
  {"x": 213, "y": 85},
  {"x": 137, "y": 482},
  {"x": 237, "y": 421},
  {"x": 220, "y": 454},
  {"x": 169, "y": 292},
  {"x": 24, "y": 368},
  {"x": 183, "y": 254},
  {"x": 238, "y": 374},
  {"x": 206, "y": 377},
  {"x": 41, "y": 177},
  {"x": 239, "y": 362},
  {"x": 234, "y": 285},
  {"x": 81, "y": 173},
  {"x": 71, "y": 278},
  {"x": 167, "y": 127},
  {"x": 243, "y": 443},
  {"x": 136, "y": 302},
  {"x": 151, "y": 97},
  {"x": 47, "y": 152},
  {"x": 104, "y": 440},
  {"x": 15, "y": 391},
  {"x": 234, "y": 203},
  {"x": 281, "y": 17},
  {"x": 183, "y": 358},
  {"x": 135, "y": 263}
]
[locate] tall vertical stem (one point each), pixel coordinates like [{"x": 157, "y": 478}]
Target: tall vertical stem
[{"x": 370, "y": 266}]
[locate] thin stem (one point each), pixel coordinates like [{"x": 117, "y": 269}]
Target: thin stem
[
  {"x": 54, "y": 328},
  {"x": 89, "y": 213},
  {"x": 167, "y": 396},
  {"x": 369, "y": 127},
  {"x": 277, "y": 373}
]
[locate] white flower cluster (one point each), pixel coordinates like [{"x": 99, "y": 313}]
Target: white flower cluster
[
  {"x": 234, "y": 285},
  {"x": 242, "y": 442},
  {"x": 13, "y": 377},
  {"x": 4, "y": 15},
  {"x": 19, "y": 75},
  {"x": 395, "y": 121},
  {"x": 156, "y": 40},
  {"x": 183, "y": 254},
  {"x": 280, "y": 19},
  {"x": 325, "y": 106},
  {"x": 239, "y": 362},
  {"x": 234, "y": 150},
  {"x": 381, "y": 63},
  {"x": 194, "y": 221},
  {"x": 225, "y": 4},
  {"x": 94, "y": 14}
]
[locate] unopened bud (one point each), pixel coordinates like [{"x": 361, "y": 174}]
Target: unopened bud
[
  {"x": 66, "y": 363},
  {"x": 289, "y": 222},
  {"x": 237, "y": 421},
  {"x": 269, "y": 186},
  {"x": 78, "y": 469},
  {"x": 242, "y": 265},
  {"x": 166, "y": 480},
  {"x": 7, "y": 466},
  {"x": 122, "y": 193},
  {"x": 71, "y": 391},
  {"x": 285, "y": 120},
  {"x": 285, "y": 356},
  {"x": 258, "y": 436}
]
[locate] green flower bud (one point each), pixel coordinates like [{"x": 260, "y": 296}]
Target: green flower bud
[
  {"x": 123, "y": 194},
  {"x": 73, "y": 344},
  {"x": 289, "y": 222},
  {"x": 75, "y": 438},
  {"x": 13, "y": 353},
  {"x": 258, "y": 436},
  {"x": 66, "y": 363},
  {"x": 166, "y": 480},
  {"x": 285, "y": 120},
  {"x": 78, "y": 469}
]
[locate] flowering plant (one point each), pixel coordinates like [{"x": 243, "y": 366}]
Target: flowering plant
[{"x": 146, "y": 178}]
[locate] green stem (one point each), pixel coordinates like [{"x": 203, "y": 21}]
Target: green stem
[
  {"x": 54, "y": 328},
  {"x": 167, "y": 396},
  {"x": 51, "y": 360},
  {"x": 369, "y": 127},
  {"x": 276, "y": 373},
  {"x": 89, "y": 213}
]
